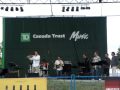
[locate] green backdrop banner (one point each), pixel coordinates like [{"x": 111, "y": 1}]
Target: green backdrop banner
[{"x": 67, "y": 37}]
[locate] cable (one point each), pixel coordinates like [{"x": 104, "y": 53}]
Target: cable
[{"x": 51, "y": 8}]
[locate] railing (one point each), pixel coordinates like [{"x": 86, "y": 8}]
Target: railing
[{"x": 75, "y": 83}]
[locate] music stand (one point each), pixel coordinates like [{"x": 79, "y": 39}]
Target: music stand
[{"x": 14, "y": 68}]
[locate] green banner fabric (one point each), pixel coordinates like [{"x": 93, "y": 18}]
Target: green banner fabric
[{"x": 67, "y": 37}]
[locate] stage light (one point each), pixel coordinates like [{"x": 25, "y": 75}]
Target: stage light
[
  {"x": 63, "y": 9},
  {"x": 77, "y": 8},
  {"x": 21, "y": 8},
  {"x": 11, "y": 9},
  {"x": 83, "y": 7},
  {"x": 2, "y": 8},
  {"x": 16, "y": 8},
  {"x": 67, "y": 9},
  {"x": 72, "y": 9},
  {"x": 100, "y": 1},
  {"x": 87, "y": 7},
  {"x": 6, "y": 9}
]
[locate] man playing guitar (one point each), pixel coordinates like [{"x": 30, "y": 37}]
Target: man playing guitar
[{"x": 58, "y": 65}]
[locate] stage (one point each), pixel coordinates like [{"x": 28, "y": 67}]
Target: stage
[{"x": 60, "y": 83}]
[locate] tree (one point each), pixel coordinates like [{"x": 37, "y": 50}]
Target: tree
[
  {"x": 119, "y": 50},
  {"x": 118, "y": 54}
]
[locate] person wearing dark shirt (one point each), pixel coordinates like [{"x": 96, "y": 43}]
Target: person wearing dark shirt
[
  {"x": 114, "y": 63},
  {"x": 86, "y": 62},
  {"x": 106, "y": 65}
]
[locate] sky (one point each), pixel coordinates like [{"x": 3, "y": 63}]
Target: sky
[{"x": 113, "y": 33}]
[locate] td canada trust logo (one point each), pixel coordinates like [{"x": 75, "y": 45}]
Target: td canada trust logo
[
  {"x": 25, "y": 37},
  {"x": 75, "y": 36}
]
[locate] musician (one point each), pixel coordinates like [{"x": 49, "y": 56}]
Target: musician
[
  {"x": 58, "y": 65},
  {"x": 86, "y": 63},
  {"x": 114, "y": 63},
  {"x": 35, "y": 62},
  {"x": 44, "y": 66},
  {"x": 106, "y": 65},
  {"x": 96, "y": 69}
]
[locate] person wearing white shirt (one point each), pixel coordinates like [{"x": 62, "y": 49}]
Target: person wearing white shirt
[
  {"x": 35, "y": 62},
  {"x": 58, "y": 65},
  {"x": 96, "y": 69}
]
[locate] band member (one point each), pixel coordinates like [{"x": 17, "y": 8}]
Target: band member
[
  {"x": 96, "y": 69},
  {"x": 106, "y": 65},
  {"x": 44, "y": 66},
  {"x": 114, "y": 63},
  {"x": 58, "y": 65},
  {"x": 86, "y": 62},
  {"x": 35, "y": 62}
]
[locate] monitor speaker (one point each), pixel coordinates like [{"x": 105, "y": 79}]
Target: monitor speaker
[
  {"x": 11, "y": 75},
  {"x": 33, "y": 75}
]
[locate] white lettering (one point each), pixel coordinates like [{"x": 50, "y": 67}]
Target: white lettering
[
  {"x": 58, "y": 36},
  {"x": 41, "y": 36},
  {"x": 77, "y": 35}
]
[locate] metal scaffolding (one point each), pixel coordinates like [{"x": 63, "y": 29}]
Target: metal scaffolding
[{"x": 56, "y": 1}]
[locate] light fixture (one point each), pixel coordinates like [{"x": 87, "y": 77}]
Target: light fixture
[
  {"x": 2, "y": 8},
  {"x": 77, "y": 8},
  {"x": 11, "y": 9},
  {"x": 6, "y": 9},
  {"x": 100, "y": 1},
  {"x": 21, "y": 9},
  {"x": 72, "y": 9}
]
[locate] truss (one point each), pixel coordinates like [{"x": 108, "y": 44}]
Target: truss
[{"x": 56, "y": 1}]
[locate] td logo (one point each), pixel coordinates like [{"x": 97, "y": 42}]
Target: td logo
[{"x": 25, "y": 37}]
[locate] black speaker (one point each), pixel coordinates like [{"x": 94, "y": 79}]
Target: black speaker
[
  {"x": 11, "y": 75},
  {"x": 33, "y": 75}
]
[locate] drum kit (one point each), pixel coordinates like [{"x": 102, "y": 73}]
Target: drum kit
[{"x": 43, "y": 69}]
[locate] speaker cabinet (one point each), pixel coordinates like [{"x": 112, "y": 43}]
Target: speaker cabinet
[{"x": 33, "y": 75}]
